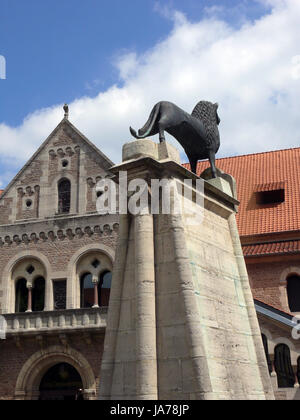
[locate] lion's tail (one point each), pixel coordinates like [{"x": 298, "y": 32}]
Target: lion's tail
[{"x": 149, "y": 127}]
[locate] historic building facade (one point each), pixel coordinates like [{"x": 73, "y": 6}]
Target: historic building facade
[
  {"x": 55, "y": 262},
  {"x": 57, "y": 257}
]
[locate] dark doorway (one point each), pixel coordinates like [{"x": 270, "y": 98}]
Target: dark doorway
[{"x": 61, "y": 382}]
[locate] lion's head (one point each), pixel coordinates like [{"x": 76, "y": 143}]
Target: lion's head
[{"x": 207, "y": 112}]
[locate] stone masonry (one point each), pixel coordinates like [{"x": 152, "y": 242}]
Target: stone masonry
[
  {"x": 32, "y": 231},
  {"x": 181, "y": 321}
]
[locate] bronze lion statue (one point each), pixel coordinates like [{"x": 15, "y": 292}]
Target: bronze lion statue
[{"x": 198, "y": 132}]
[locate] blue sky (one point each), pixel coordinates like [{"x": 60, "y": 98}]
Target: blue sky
[
  {"x": 113, "y": 60},
  {"x": 60, "y": 50}
]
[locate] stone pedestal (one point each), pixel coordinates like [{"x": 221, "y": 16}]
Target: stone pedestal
[{"x": 181, "y": 321}]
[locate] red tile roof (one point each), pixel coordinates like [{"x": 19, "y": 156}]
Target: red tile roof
[
  {"x": 263, "y": 172},
  {"x": 272, "y": 248}
]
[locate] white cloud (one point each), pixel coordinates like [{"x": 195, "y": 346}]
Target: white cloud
[
  {"x": 249, "y": 71},
  {"x": 127, "y": 65}
]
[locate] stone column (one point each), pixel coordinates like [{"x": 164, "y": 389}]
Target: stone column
[
  {"x": 29, "y": 304},
  {"x": 113, "y": 316},
  {"x": 146, "y": 369},
  {"x": 295, "y": 369},
  {"x": 49, "y": 299},
  {"x": 96, "y": 300},
  {"x": 273, "y": 374}
]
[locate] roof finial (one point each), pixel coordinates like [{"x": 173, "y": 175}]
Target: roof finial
[{"x": 66, "y": 109}]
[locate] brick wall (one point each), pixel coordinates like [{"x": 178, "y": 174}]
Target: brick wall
[
  {"x": 266, "y": 281},
  {"x": 15, "y": 354},
  {"x": 5, "y": 210},
  {"x": 39, "y": 230},
  {"x": 58, "y": 246}
]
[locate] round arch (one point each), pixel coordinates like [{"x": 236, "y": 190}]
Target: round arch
[
  {"x": 292, "y": 270},
  {"x": 73, "y": 286},
  {"x": 32, "y": 372},
  {"x": 287, "y": 272},
  {"x": 9, "y": 292},
  {"x": 284, "y": 366},
  {"x": 290, "y": 344},
  {"x": 90, "y": 248},
  {"x": 267, "y": 333}
]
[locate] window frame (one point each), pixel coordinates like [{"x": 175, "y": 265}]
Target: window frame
[{"x": 65, "y": 194}]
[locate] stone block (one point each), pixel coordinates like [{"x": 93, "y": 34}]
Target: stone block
[{"x": 195, "y": 332}]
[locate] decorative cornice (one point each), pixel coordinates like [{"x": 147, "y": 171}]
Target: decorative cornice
[
  {"x": 62, "y": 152},
  {"x": 104, "y": 230}
]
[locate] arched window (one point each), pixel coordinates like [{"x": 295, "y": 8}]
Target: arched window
[
  {"x": 21, "y": 296},
  {"x": 86, "y": 291},
  {"x": 38, "y": 294},
  {"x": 104, "y": 288},
  {"x": 64, "y": 196},
  {"x": 283, "y": 366},
  {"x": 265, "y": 343},
  {"x": 29, "y": 280},
  {"x": 293, "y": 292}
]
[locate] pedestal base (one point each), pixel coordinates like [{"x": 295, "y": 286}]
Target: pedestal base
[{"x": 181, "y": 322}]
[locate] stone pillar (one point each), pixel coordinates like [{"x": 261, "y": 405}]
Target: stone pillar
[
  {"x": 29, "y": 305},
  {"x": 295, "y": 370},
  {"x": 146, "y": 369},
  {"x": 273, "y": 373},
  {"x": 49, "y": 300},
  {"x": 113, "y": 317},
  {"x": 96, "y": 299},
  {"x": 181, "y": 321}
]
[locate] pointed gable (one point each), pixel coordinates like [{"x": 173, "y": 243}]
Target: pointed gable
[{"x": 65, "y": 155}]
